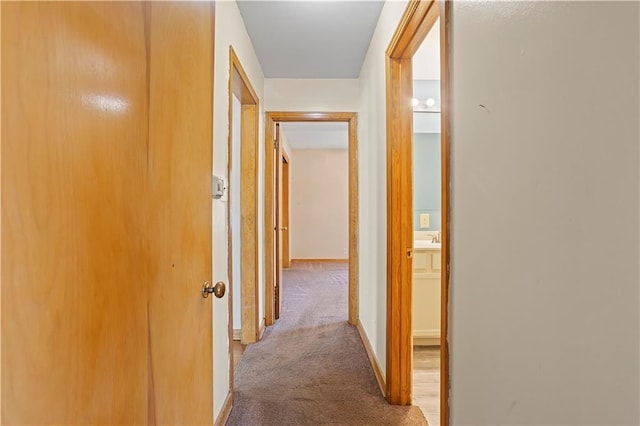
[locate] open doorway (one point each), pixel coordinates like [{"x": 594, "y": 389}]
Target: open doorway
[
  {"x": 417, "y": 225},
  {"x": 283, "y": 236},
  {"x": 427, "y": 226},
  {"x": 242, "y": 208},
  {"x": 314, "y": 195}
]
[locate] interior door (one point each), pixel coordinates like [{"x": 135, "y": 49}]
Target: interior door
[
  {"x": 74, "y": 278},
  {"x": 105, "y": 213},
  {"x": 180, "y": 169},
  {"x": 278, "y": 223},
  {"x": 286, "y": 258}
]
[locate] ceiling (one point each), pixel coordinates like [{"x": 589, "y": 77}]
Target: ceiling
[
  {"x": 316, "y": 135},
  {"x": 310, "y": 39}
]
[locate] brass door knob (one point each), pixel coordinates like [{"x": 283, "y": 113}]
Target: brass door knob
[
  {"x": 284, "y": 228},
  {"x": 218, "y": 289}
]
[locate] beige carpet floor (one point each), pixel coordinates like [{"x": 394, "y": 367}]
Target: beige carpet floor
[{"x": 311, "y": 368}]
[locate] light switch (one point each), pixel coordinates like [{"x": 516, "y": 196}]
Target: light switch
[{"x": 424, "y": 220}]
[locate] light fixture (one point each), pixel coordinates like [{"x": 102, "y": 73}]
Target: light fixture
[
  {"x": 431, "y": 102},
  {"x": 414, "y": 102}
]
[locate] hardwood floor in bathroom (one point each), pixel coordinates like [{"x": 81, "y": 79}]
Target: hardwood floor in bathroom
[{"x": 426, "y": 382}]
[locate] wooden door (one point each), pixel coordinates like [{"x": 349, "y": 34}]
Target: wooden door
[
  {"x": 286, "y": 258},
  {"x": 180, "y": 169},
  {"x": 74, "y": 271},
  {"x": 278, "y": 224},
  {"x": 92, "y": 313}
]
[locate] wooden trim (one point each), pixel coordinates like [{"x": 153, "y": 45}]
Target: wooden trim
[
  {"x": 1, "y": 215},
  {"x": 225, "y": 411},
  {"x": 375, "y": 365},
  {"x": 354, "y": 223},
  {"x": 418, "y": 19},
  {"x": 269, "y": 220},
  {"x": 241, "y": 87},
  {"x": 414, "y": 26},
  {"x": 319, "y": 260},
  {"x": 399, "y": 230},
  {"x": 445, "y": 137},
  {"x": 286, "y": 208},
  {"x": 290, "y": 116}
]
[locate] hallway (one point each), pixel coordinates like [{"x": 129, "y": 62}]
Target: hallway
[{"x": 311, "y": 367}]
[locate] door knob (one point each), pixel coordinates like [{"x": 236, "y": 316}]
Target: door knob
[
  {"x": 217, "y": 290},
  {"x": 284, "y": 228}
]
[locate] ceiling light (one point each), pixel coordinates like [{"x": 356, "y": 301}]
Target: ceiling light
[
  {"x": 431, "y": 102},
  {"x": 414, "y": 102}
]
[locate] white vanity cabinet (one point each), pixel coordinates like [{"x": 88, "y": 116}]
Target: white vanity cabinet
[{"x": 426, "y": 296}]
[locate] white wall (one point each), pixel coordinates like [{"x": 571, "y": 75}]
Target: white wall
[
  {"x": 230, "y": 30},
  {"x": 234, "y": 203},
  {"x": 339, "y": 95},
  {"x": 372, "y": 181},
  {"x": 545, "y": 296},
  {"x": 319, "y": 204}
]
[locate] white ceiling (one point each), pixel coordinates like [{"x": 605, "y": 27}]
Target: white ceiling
[
  {"x": 309, "y": 38},
  {"x": 316, "y": 135},
  {"x": 426, "y": 61}
]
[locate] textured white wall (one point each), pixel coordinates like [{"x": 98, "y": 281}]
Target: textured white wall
[
  {"x": 545, "y": 296},
  {"x": 319, "y": 204},
  {"x": 372, "y": 178},
  {"x": 230, "y": 30}
]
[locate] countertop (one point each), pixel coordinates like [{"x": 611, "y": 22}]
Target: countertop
[{"x": 424, "y": 244}]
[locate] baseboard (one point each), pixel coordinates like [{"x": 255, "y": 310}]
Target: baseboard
[
  {"x": 237, "y": 334},
  {"x": 426, "y": 337},
  {"x": 226, "y": 411},
  {"x": 263, "y": 327},
  {"x": 372, "y": 359},
  {"x": 320, "y": 260}
]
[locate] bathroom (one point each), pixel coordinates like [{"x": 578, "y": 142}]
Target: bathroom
[{"x": 427, "y": 220}]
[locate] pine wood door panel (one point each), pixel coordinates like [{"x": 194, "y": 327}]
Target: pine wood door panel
[
  {"x": 180, "y": 162},
  {"x": 106, "y": 213},
  {"x": 73, "y": 273}
]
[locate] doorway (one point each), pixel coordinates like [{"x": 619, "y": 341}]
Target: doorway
[
  {"x": 415, "y": 25},
  {"x": 274, "y": 219},
  {"x": 242, "y": 208},
  {"x": 427, "y": 226}
]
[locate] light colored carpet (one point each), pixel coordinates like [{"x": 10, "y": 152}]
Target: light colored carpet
[{"x": 311, "y": 367}]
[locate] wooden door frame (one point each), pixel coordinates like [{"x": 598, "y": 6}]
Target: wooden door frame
[
  {"x": 417, "y": 21},
  {"x": 286, "y": 254},
  {"x": 241, "y": 87},
  {"x": 271, "y": 118}
]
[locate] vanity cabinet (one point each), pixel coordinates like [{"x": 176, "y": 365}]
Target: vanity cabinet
[{"x": 426, "y": 296}]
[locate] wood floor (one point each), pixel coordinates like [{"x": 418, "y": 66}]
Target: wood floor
[{"x": 426, "y": 382}]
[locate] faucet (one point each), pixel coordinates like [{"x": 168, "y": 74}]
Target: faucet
[{"x": 436, "y": 238}]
